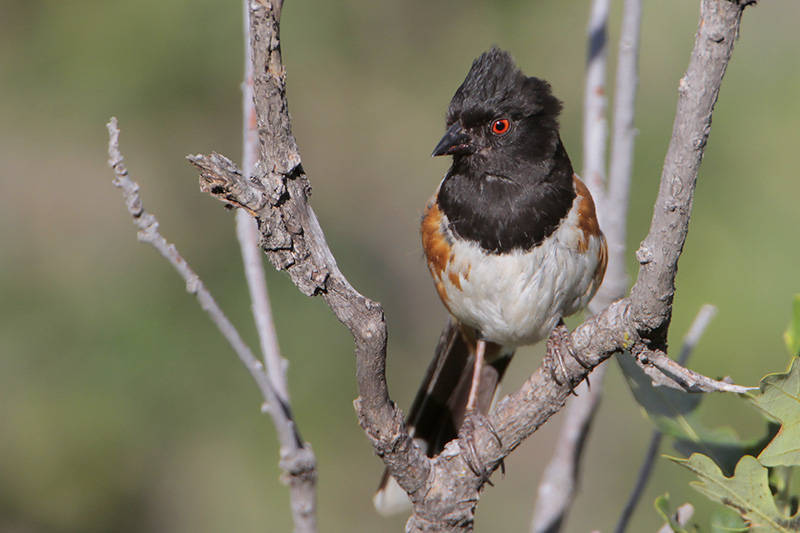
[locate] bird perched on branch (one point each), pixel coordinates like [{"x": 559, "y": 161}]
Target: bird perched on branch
[{"x": 512, "y": 242}]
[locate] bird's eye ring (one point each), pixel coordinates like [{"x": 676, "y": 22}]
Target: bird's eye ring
[{"x": 501, "y": 126}]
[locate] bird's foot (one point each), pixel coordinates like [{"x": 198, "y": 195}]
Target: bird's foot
[
  {"x": 466, "y": 438},
  {"x": 558, "y": 344}
]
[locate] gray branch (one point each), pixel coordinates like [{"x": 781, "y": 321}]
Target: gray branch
[
  {"x": 248, "y": 235},
  {"x": 297, "y": 460},
  {"x": 559, "y": 483},
  {"x": 595, "y": 127},
  {"x": 302, "y": 491},
  {"x": 621, "y": 159},
  {"x": 654, "y": 290},
  {"x": 442, "y": 489}
]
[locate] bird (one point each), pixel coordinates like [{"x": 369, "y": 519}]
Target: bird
[{"x": 512, "y": 242}]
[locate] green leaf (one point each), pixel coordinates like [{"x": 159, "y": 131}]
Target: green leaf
[
  {"x": 780, "y": 482},
  {"x": 780, "y": 399},
  {"x": 725, "y": 520},
  {"x": 792, "y": 334},
  {"x": 676, "y": 413},
  {"x": 747, "y": 491}
]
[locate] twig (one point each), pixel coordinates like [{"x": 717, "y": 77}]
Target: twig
[
  {"x": 303, "y": 492},
  {"x": 690, "y": 340},
  {"x": 595, "y": 129},
  {"x": 622, "y": 143},
  {"x": 645, "y": 470},
  {"x": 148, "y": 232},
  {"x": 247, "y": 232},
  {"x": 666, "y": 372},
  {"x": 559, "y": 482},
  {"x": 654, "y": 290},
  {"x": 277, "y": 195},
  {"x": 704, "y": 317},
  {"x": 296, "y": 460}
]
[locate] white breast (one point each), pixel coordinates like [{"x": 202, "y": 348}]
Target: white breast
[{"x": 517, "y": 298}]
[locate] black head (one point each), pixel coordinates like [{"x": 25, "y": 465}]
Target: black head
[
  {"x": 503, "y": 136},
  {"x": 496, "y": 91}
]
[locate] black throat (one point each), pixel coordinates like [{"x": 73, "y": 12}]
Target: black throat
[{"x": 516, "y": 209}]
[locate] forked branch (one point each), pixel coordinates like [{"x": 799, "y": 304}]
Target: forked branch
[{"x": 277, "y": 196}]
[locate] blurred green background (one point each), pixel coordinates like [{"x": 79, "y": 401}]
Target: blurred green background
[{"x": 122, "y": 409}]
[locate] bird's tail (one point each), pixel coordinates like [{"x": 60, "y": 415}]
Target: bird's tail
[{"x": 440, "y": 404}]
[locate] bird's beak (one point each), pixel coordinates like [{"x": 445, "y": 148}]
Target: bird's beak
[{"x": 455, "y": 141}]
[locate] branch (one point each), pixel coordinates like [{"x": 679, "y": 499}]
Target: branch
[
  {"x": 302, "y": 491},
  {"x": 247, "y": 233},
  {"x": 559, "y": 483},
  {"x": 148, "y": 232},
  {"x": 297, "y": 461},
  {"x": 621, "y": 165},
  {"x": 443, "y": 491},
  {"x": 654, "y": 290},
  {"x": 556, "y": 491},
  {"x": 595, "y": 128},
  {"x": 277, "y": 196}
]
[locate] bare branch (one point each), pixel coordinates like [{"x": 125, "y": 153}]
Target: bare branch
[
  {"x": 303, "y": 495},
  {"x": 294, "y": 242},
  {"x": 645, "y": 470},
  {"x": 704, "y": 317},
  {"x": 668, "y": 373},
  {"x": 653, "y": 292},
  {"x": 297, "y": 461},
  {"x": 443, "y": 492},
  {"x": 148, "y": 232},
  {"x": 558, "y": 485},
  {"x": 595, "y": 128},
  {"x": 247, "y": 232},
  {"x": 621, "y": 163},
  {"x": 556, "y": 491}
]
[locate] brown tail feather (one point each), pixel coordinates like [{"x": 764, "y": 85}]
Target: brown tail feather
[{"x": 439, "y": 406}]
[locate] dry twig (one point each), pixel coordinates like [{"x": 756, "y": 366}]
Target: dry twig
[{"x": 297, "y": 460}]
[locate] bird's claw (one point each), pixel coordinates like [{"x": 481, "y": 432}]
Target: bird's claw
[
  {"x": 467, "y": 443},
  {"x": 558, "y": 343}
]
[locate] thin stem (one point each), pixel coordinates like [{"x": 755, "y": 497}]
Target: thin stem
[
  {"x": 148, "y": 232},
  {"x": 559, "y": 483},
  {"x": 595, "y": 128},
  {"x": 297, "y": 459},
  {"x": 248, "y": 234},
  {"x": 622, "y": 148}
]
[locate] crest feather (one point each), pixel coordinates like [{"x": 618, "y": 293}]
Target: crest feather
[{"x": 495, "y": 86}]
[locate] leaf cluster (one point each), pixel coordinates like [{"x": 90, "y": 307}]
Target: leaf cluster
[{"x": 751, "y": 479}]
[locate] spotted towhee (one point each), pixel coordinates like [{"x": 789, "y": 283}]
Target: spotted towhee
[{"x": 512, "y": 242}]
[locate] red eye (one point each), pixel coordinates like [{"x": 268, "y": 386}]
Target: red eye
[{"x": 501, "y": 126}]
